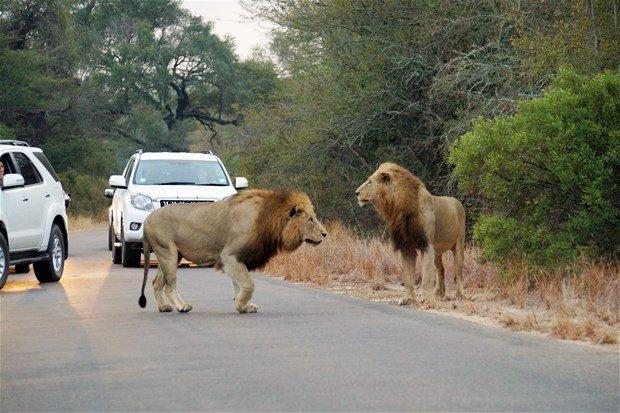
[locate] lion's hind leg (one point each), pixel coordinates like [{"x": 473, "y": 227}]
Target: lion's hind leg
[
  {"x": 458, "y": 253},
  {"x": 441, "y": 282},
  {"x": 240, "y": 276}
]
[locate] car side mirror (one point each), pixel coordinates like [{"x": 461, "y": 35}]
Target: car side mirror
[
  {"x": 118, "y": 181},
  {"x": 12, "y": 181},
  {"x": 108, "y": 193},
  {"x": 67, "y": 200},
  {"x": 241, "y": 182}
]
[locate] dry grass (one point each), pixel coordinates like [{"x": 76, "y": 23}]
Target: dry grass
[
  {"x": 85, "y": 222},
  {"x": 584, "y": 306}
]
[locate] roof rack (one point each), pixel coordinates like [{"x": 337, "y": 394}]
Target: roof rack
[
  {"x": 139, "y": 152},
  {"x": 13, "y": 142},
  {"x": 208, "y": 152}
]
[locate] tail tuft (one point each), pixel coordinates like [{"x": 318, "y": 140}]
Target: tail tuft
[{"x": 142, "y": 301}]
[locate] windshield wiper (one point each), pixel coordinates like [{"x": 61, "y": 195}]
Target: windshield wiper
[
  {"x": 176, "y": 183},
  {"x": 214, "y": 184}
]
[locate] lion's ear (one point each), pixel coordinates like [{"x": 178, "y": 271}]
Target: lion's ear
[
  {"x": 296, "y": 210},
  {"x": 384, "y": 177}
]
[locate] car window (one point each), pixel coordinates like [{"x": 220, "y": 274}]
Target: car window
[
  {"x": 9, "y": 167},
  {"x": 46, "y": 163},
  {"x": 27, "y": 169},
  {"x": 128, "y": 169},
  {"x": 179, "y": 172}
]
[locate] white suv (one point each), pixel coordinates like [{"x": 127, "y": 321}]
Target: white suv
[
  {"x": 33, "y": 220},
  {"x": 155, "y": 179}
]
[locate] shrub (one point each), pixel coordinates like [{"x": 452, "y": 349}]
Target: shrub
[
  {"x": 86, "y": 193},
  {"x": 549, "y": 173}
]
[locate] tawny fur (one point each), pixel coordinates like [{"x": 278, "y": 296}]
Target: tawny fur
[
  {"x": 238, "y": 234},
  {"x": 419, "y": 223}
]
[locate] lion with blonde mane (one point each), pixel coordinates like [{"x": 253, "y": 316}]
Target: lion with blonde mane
[
  {"x": 419, "y": 223},
  {"x": 238, "y": 234}
]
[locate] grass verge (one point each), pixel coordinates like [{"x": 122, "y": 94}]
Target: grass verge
[
  {"x": 583, "y": 307},
  {"x": 86, "y": 222}
]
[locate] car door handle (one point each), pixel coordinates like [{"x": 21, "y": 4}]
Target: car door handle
[
  {"x": 47, "y": 195},
  {"x": 24, "y": 199}
]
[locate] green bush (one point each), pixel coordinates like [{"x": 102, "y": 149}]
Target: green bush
[
  {"x": 86, "y": 193},
  {"x": 548, "y": 174}
]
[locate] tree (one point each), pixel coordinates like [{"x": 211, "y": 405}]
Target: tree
[
  {"x": 549, "y": 173},
  {"x": 79, "y": 75}
]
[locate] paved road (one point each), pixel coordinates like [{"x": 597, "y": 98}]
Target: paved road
[{"x": 84, "y": 344}]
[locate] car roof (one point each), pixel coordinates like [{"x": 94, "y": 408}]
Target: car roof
[
  {"x": 178, "y": 155},
  {"x": 19, "y": 148}
]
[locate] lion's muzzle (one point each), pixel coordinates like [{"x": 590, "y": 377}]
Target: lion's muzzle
[{"x": 361, "y": 199}]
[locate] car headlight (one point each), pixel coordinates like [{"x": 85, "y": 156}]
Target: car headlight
[{"x": 143, "y": 202}]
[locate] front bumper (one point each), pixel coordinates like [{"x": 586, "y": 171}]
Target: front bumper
[{"x": 134, "y": 216}]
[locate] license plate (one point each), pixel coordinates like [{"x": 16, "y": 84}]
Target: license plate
[{"x": 180, "y": 201}]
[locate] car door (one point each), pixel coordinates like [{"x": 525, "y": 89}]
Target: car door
[
  {"x": 26, "y": 206},
  {"x": 13, "y": 207},
  {"x": 117, "y": 199}
]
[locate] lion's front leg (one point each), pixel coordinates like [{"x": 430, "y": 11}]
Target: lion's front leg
[
  {"x": 240, "y": 276},
  {"x": 429, "y": 274},
  {"x": 158, "y": 286},
  {"x": 409, "y": 279},
  {"x": 235, "y": 289}
]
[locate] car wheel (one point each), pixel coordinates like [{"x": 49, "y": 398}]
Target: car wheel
[
  {"x": 22, "y": 268},
  {"x": 111, "y": 237},
  {"x": 4, "y": 261},
  {"x": 51, "y": 269},
  {"x": 130, "y": 256},
  {"x": 116, "y": 250}
]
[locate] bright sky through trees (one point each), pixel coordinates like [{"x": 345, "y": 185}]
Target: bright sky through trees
[{"x": 231, "y": 19}]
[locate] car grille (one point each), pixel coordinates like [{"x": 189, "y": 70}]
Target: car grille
[{"x": 165, "y": 202}]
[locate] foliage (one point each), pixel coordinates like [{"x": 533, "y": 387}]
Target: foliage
[
  {"x": 365, "y": 82},
  {"x": 548, "y": 173},
  {"x": 77, "y": 76}
]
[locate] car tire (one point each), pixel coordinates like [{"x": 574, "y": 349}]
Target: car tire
[
  {"x": 116, "y": 254},
  {"x": 111, "y": 237},
  {"x": 51, "y": 269},
  {"x": 116, "y": 251},
  {"x": 22, "y": 268},
  {"x": 4, "y": 261},
  {"x": 130, "y": 257}
]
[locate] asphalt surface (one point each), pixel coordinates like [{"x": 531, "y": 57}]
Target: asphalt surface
[{"x": 85, "y": 345}]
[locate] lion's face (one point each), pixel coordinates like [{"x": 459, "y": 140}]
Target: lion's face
[
  {"x": 303, "y": 226},
  {"x": 376, "y": 184}
]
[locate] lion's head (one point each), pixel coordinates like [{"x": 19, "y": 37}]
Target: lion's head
[
  {"x": 302, "y": 225},
  {"x": 386, "y": 187},
  {"x": 285, "y": 220},
  {"x": 393, "y": 191}
]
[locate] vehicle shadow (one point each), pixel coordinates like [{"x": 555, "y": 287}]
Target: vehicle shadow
[{"x": 48, "y": 357}]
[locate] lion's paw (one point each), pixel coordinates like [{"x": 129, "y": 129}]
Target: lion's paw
[
  {"x": 249, "y": 308},
  {"x": 165, "y": 308},
  {"x": 429, "y": 300},
  {"x": 406, "y": 301},
  {"x": 185, "y": 308}
]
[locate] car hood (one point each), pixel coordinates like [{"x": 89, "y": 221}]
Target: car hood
[{"x": 187, "y": 192}]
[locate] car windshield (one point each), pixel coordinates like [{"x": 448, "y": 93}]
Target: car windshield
[{"x": 179, "y": 172}]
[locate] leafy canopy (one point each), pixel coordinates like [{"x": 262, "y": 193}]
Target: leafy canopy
[{"x": 549, "y": 173}]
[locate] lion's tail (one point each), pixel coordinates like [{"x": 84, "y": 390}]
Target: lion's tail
[{"x": 147, "y": 263}]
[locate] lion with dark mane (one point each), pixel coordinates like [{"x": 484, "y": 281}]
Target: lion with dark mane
[
  {"x": 419, "y": 223},
  {"x": 238, "y": 234}
]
